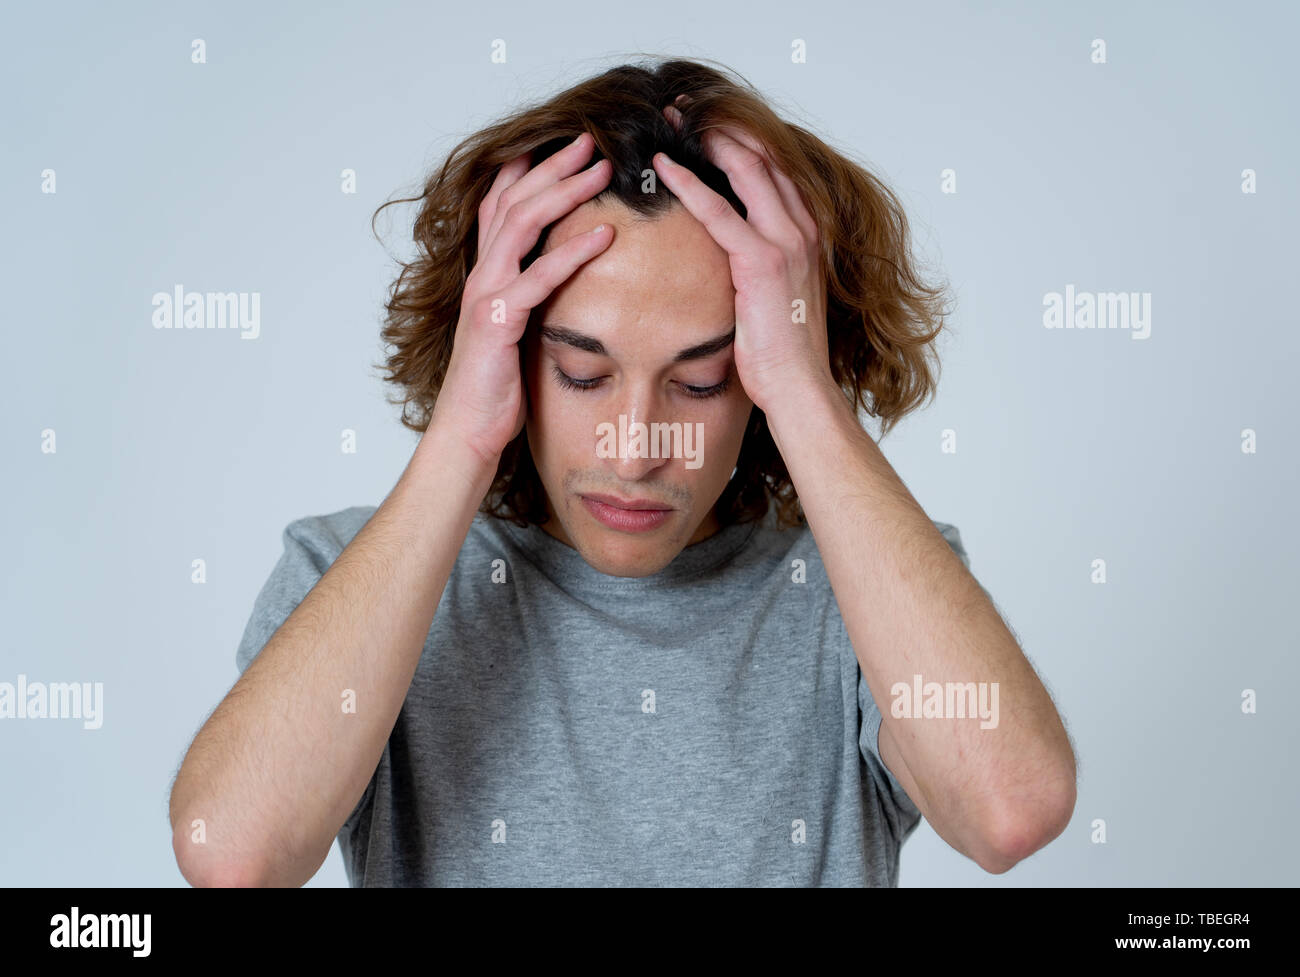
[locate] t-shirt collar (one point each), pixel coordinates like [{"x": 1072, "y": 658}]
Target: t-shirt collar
[{"x": 564, "y": 564}]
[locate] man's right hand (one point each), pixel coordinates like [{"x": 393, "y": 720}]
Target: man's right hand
[{"x": 482, "y": 402}]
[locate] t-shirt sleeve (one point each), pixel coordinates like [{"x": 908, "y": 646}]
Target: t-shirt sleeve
[
  {"x": 311, "y": 545},
  {"x": 903, "y": 812},
  {"x": 309, "y": 550}
]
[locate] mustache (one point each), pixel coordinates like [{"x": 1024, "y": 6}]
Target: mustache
[{"x": 586, "y": 483}]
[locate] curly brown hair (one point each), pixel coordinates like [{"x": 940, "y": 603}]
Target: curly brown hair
[{"x": 882, "y": 318}]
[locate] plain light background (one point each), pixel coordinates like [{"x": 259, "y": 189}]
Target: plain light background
[{"x": 176, "y": 445}]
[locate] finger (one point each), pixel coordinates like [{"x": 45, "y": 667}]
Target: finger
[
  {"x": 790, "y": 195},
  {"x": 509, "y": 174},
  {"x": 546, "y": 173},
  {"x": 521, "y": 222},
  {"x": 791, "y": 198},
  {"x": 732, "y": 232},
  {"x": 754, "y": 185},
  {"x": 548, "y": 273}
]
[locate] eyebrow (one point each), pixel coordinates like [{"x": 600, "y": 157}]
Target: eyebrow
[{"x": 590, "y": 344}]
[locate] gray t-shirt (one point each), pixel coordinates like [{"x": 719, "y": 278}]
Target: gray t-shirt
[{"x": 705, "y": 726}]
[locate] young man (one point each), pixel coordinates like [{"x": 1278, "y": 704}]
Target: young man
[{"x": 634, "y": 611}]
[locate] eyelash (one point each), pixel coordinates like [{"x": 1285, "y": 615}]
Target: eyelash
[{"x": 698, "y": 393}]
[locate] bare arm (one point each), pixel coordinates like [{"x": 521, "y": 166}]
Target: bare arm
[
  {"x": 910, "y": 607},
  {"x": 278, "y": 766}
]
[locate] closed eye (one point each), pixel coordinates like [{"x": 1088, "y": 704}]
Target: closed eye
[
  {"x": 703, "y": 393},
  {"x": 573, "y": 383},
  {"x": 698, "y": 393}
]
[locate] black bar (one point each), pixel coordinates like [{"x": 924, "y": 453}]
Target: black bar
[{"x": 978, "y": 927}]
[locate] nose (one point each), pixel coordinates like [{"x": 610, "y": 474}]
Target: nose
[{"x": 637, "y": 452}]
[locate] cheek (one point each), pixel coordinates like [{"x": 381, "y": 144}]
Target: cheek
[
  {"x": 547, "y": 412},
  {"x": 561, "y": 429},
  {"x": 537, "y": 420},
  {"x": 723, "y": 436}
]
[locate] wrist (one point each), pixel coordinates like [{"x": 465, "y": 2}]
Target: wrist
[
  {"x": 444, "y": 455},
  {"x": 809, "y": 409}
]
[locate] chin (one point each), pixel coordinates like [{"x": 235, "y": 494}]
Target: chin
[{"x": 625, "y": 557}]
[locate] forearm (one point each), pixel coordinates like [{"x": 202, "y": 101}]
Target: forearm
[
  {"x": 911, "y": 608},
  {"x": 279, "y": 765}
]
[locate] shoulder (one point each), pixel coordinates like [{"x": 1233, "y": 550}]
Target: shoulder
[
  {"x": 319, "y": 539},
  {"x": 311, "y": 544},
  {"x": 326, "y": 535},
  {"x": 490, "y": 534}
]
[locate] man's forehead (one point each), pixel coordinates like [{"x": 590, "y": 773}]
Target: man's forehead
[
  {"x": 586, "y": 216},
  {"x": 680, "y": 345},
  {"x": 661, "y": 287},
  {"x": 670, "y": 235}
]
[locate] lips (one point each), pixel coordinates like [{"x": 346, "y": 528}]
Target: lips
[
  {"x": 636, "y": 505},
  {"x": 627, "y": 515}
]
